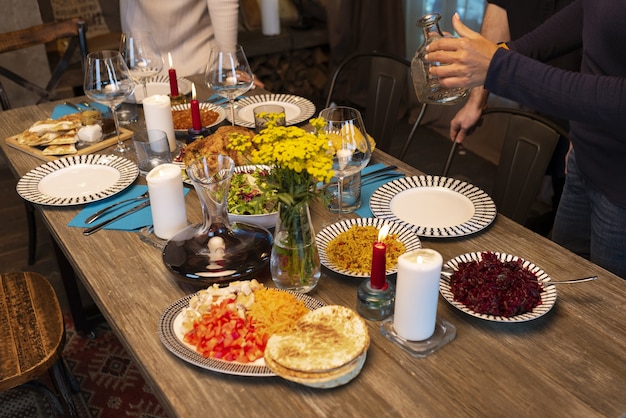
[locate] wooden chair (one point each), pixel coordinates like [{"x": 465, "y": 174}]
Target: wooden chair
[
  {"x": 32, "y": 335},
  {"x": 74, "y": 29},
  {"x": 529, "y": 141},
  {"x": 389, "y": 77}
]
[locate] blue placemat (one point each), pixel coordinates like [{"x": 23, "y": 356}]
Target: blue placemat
[
  {"x": 64, "y": 109},
  {"x": 132, "y": 222},
  {"x": 368, "y": 189}
]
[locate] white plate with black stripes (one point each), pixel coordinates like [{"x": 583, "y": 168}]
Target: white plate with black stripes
[
  {"x": 435, "y": 206},
  {"x": 77, "y": 180}
]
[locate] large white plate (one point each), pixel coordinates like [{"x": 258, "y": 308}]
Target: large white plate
[
  {"x": 220, "y": 111},
  {"x": 297, "y": 109},
  {"x": 77, "y": 180},
  {"x": 172, "y": 338},
  {"x": 435, "y": 206},
  {"x": 405, "y": 234},
  {"x": 159, "y": 84},
  {"x": 548, "y": 296}
]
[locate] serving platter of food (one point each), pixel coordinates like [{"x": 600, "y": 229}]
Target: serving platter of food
[
  {"x": 210, "y": 115},
  {"x": 50, "y": 139},
  {"x": 497, "y": 287},
  {"x": 345, "y": 247},
  {"x": 217, "y": 304}
]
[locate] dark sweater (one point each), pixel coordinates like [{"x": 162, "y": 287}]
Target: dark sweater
[{"x": 594, "y": 99}]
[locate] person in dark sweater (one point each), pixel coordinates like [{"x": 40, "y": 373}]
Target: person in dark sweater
[
  {"x": 591, "y": 218},
  {"x": 503, "y": 21}
]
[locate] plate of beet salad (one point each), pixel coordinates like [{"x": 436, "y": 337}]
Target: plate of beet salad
[{"x": 497, "y": 287}]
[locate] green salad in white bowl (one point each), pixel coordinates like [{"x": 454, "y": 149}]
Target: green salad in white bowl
[{"x": 249, "y": 199}]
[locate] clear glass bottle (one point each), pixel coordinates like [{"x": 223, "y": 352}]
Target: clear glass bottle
[{"x": 426, "y": 85}]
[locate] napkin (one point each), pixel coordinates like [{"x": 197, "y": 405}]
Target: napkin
[
  {"x": 368, "y": 189},
  {"x": 218, "y": 100},
  {"x": 132, "y": 222},
  {"x": 64, "y": 109}
]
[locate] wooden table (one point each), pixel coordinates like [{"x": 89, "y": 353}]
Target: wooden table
[{"x": 570, "y": 362}]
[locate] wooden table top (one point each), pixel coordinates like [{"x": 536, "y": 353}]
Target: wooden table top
[{"x": 569, "y": 362}]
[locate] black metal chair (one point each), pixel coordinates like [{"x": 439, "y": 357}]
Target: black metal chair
[
  {"x": 530, "y": 140},
  {"x": 74, "y": 30},
  {"x": 389, "y": 76}
]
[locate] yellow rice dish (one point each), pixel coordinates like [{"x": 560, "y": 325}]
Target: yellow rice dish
[{"x": 352, "y": 249}]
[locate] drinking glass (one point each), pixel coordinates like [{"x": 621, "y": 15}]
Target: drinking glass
[
  {"x": 108, "y": 81},
  {"x": 142, "y": 56},
  {"x": 228, "y": 74},
  {"x": 347, "y": 139}
]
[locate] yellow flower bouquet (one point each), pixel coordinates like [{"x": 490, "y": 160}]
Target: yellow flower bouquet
[{"x": 299, "y": 160}]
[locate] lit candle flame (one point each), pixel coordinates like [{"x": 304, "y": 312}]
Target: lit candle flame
[
  {"x": 169, "y": 58},
  {"x": 193, "y": 91},
  {"x": 420, "y": 260},
  {"x": 382, "y": 234}
]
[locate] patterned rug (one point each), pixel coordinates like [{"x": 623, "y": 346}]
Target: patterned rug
[{"x": 110, "y": 384}]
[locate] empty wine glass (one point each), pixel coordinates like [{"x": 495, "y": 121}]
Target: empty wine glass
[
  {"x": 347, "y": 139},
  {"x": 108, "y": 81},
  {"x": 142, "y": 56},
  {"x": 228, "y": 74}
]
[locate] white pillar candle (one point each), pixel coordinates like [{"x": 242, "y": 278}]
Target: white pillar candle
[
  {"x": 167, "y": 200},
  {"x": 270, "y": 17},
  {"x": 417, "y": 293},
  {"x": 157, "y": 110}
]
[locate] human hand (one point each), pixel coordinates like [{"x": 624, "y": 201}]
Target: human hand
[
  {"x": 469, "y": 116},
  {"x": 465, "y": 60}
]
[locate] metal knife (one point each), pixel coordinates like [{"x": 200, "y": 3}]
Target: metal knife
[
  {"x": 380, "y": 170},
  {"x": 101, "y": 225}
]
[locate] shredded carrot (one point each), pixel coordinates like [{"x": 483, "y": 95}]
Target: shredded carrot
[{"x": 275, "y": 311}]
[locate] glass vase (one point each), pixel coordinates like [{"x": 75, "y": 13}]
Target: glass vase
[
  {"x": 295, "y": 262},
  {"x": 216, "y": 250},
  {"x": 427, "y": 87}
]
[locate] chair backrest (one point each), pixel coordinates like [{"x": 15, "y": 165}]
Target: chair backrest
[
  {"x": 528, "y": 145},
  {"x": 388, "y": 76},
  {"x": 74, "y": 29}
]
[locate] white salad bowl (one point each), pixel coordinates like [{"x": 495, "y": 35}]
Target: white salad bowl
[{"x": 265, "y": 220}]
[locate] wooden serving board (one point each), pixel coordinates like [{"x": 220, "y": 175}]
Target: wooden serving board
[{"x": 38, "y": 152}]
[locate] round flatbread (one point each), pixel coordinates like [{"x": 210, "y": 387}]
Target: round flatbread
[{"x": 325, "y": 339}]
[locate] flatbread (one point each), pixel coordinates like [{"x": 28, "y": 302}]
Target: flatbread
[
  {"x": 50, "y": 131},
  {"x": 325, "y": 339},
  {"x": 60, "y": 149}
]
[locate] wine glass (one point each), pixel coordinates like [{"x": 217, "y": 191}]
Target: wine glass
[
  {"x": 347, "y": 139},
  {"x": 142, "y": 56},
  {"x": 228, "y": 74},
  {"x": 108, "y": 81}
]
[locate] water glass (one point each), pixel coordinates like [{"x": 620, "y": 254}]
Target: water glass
[
  {"x": 351, "y": 198},
  {"x": 266, "y": 114},
  {"x": 152, "y": 149}
]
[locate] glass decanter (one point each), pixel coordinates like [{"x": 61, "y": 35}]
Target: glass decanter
[
  {"x": 426, "y": 85},
  {"x": 217, "y": 250}
]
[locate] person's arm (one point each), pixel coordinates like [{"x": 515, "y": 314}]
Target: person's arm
[
  {"x": 495, "y": 27},
  {"x": 225, "y": 21}
]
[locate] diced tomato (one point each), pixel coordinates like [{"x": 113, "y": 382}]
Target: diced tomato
[{"x": 222, "y": 334}]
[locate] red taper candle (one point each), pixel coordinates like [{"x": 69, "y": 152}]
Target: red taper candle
[
  {"x": 196, "y": 120},
  {"x": 173, "y": 80},
  {"x": 378, "y": 275}
]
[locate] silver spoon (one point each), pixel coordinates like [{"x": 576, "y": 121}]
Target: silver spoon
[
  {"x": 448, "y": 273},
  {"x": 579, "y": 280},
  {"x": 99, "y": 213}
]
